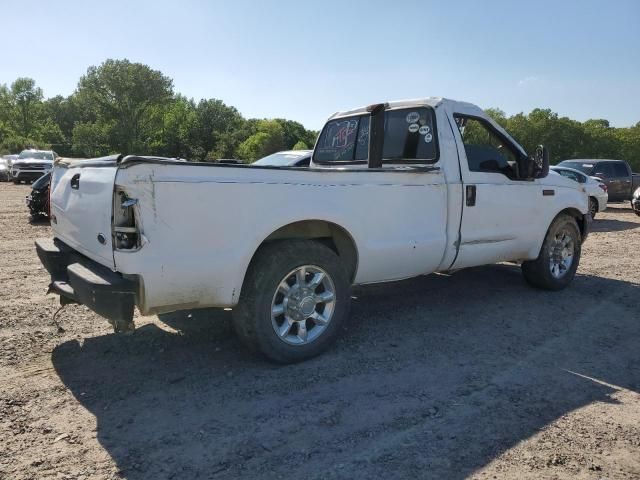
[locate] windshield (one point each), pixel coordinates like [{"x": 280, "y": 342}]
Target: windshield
[
  {"x": 36, "y": 155},
  {"x": 281, "y": 159},
  {"x": 585, "y": 167}
]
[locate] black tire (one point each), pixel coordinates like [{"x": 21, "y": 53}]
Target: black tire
[
  {"x": 16, "y": 182},
  {"x": 593, "y": 207},
  {"x": 538, "y": 272},
  {"x": 252, "y": 316}
]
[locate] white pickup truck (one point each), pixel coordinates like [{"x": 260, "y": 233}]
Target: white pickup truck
[{"x": 394, "y": 190}]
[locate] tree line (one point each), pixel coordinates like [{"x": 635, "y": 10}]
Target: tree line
[{"x": 126, "y": 107}]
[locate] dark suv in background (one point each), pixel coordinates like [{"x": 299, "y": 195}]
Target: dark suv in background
[{"x": 616, "y": 174}]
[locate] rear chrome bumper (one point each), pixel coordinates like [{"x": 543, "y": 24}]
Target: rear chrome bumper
[{"x": 78, "y": 279}]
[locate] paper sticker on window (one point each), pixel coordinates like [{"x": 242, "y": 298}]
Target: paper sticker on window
[
  {"x": 413, "y": 117},
  {"x": 424, "y": 130},
  {"x": 428, "y": 137},
  {"x": 413, "y": 128}
]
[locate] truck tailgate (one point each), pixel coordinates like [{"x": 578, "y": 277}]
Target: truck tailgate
[{"x": 81, "y": 208}]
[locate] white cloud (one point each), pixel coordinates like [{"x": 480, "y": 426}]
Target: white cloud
[{"x": 528, "y": 81}]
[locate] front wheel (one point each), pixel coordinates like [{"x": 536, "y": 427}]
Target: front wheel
[
  {"x": 559, "y": 256},
  {"x": 294, "y": 300}
]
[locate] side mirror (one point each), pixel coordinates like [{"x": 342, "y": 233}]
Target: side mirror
[{"x": 538, "y": 163}]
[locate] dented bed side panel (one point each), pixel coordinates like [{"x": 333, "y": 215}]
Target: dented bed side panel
[{"x": 202, "y": 225}]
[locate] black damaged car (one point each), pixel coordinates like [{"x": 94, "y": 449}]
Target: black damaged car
[{"x": 38, "y": 200}]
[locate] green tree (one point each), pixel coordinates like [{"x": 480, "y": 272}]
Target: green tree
[
  {"x": 268, "y": 139},
  {"x": 6, "y": 107},
  {"x": 214, "y": 121},
  {"x": 628, "y": 140},
  {"x": 292, "y": 132},
  {"x": 92, "y": 139},
  {"x": 26, "y": 98},
  {"x": 177, "y": 121},
  {"x": 498, "y": 115},
  {"x": 123, "y": 94},
  {"x": 300, "y": 146}
]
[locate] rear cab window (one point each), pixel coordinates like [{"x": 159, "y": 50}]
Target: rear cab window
[{"x": 409, "y": 137}]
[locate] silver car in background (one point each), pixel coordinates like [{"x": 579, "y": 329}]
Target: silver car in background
[
  {"x": 595, "y": 187},
  {"x": 6, "y": 161},
  {"x": 286, "y": 158}
]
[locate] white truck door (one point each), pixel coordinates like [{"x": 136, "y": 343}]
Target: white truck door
[{"x": 499, "y": 212}]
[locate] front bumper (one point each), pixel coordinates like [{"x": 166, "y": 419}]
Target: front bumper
[{"x": 78, "y": 279}]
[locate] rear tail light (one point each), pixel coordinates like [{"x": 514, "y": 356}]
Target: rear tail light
[
  {"x": 603, "y": 186},
  {"x": 125, "y": 229}
]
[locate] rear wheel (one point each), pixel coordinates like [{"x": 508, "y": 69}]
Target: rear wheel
[
  {"x": 593, "y": 207},
  {"x": 294, "y": 299},
  {"x": 559, "y": 256}
]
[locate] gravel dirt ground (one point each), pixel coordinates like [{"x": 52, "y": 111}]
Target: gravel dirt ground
[{"x": 472, "y": 374}]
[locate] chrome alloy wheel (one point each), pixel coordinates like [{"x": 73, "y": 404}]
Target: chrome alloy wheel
[
  {"x": 561, "y": 253},
  {"x": 303, "y": 305}
]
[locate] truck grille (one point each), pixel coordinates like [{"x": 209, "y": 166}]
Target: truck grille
[{"x": 31, "y": 166}]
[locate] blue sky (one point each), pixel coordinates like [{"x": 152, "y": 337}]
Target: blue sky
[{"x": 304, "y": 60}]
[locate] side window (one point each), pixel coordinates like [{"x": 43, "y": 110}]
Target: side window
[
  {"x": 409, "y": 135},
  {"x": 486, "y": 151},
  {"x": 603, "y": 170},
  {"x": 620, "y": 170},
  {"x": 362, "y": 141}
]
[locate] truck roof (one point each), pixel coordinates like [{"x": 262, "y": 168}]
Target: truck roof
[
  {"x": 433, "y": 102},
  {"x": 594, "y": 160},
  {"x": 452, "y": 106}
]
